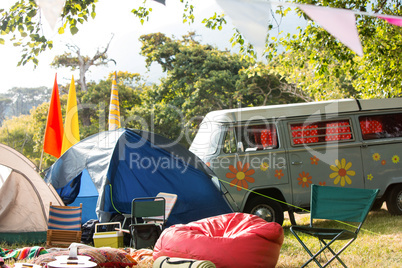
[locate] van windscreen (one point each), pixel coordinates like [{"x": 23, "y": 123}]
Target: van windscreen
[{"x": 207, "y": 139}]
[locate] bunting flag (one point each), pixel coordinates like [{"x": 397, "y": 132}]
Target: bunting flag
[
  {"x": 340, "y": 23},
  {"x": 53, "y": 139},
  {"x": 71, "y": 129},
  {"x": 51, "y": 10},
  {"x": 114, "y": 110},
  {"x": 392, "y": 20},
  {"x": 251, "y": 18},
  {"x": 160, "y": 1}
]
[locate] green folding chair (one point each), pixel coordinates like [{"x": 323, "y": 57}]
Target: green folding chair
[
  {"x": 339, "y": 204},
  {"x": 143, "y": 234}
]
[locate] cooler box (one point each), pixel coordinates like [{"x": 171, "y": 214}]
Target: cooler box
[{"x": 113, "y": 239}]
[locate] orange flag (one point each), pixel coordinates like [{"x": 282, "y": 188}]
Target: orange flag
[{"x": 54, "y": 128}]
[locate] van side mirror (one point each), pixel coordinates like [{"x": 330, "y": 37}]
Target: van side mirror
[{"x": 240, "y": 147}]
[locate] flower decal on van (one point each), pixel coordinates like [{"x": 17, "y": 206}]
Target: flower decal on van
[
  {"x": 376, "y": 157},
  {"x": 240, "y": 176},
  {"x": 279, "y": 174},
  {"x": 342, "y": 172},
  {"x": 264, "y": 166},
  {"x": 395, "y": 159},
  {"x": 314, "y": 160},
  {"x": 304, "y": 179},
  {"x": 370, "y": 177}
]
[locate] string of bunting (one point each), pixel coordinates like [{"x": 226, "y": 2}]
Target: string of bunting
[{"x": 251, "y": 18}]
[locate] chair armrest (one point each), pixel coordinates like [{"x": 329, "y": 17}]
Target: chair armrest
[{"x": 122, "y": 230}]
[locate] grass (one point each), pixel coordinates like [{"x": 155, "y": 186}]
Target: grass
[{"x": 379, "y": 243}]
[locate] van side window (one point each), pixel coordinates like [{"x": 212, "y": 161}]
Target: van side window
[
  {"x": 338, "y": 131},
  {"x": 229, "y": 144},
  {"x": 304, "y": 133},
  {"x": 321, "y": 132},
  {"x": 259, "y": 137},
  {"x": 381, "y": 126}
]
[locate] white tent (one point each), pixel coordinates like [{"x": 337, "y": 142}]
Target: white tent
[{"x": 24, "y": 199}]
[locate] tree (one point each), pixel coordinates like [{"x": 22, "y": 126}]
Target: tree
[
  {"x": 95, "y": 101},
  {"x": 17, "y": 133},
  {"x": 325, "y": 68},
  {"x": 262, "y": 82},
  {"x": 200, "y": 78},
  {"x": 4, "y": 105},
  {"x": 24, "y": 99},
  {"x": 22, "y": 22},
  {"x": 39, "y": 119},
  {"x": 95, "y": 105},
  {"x": 313, "y": 60},
  {"x": 81, "y": 62}
]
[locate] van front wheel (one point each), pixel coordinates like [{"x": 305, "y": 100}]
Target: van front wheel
[
  {"x": 394, "y": 200},
  {"x": 267, "y": 209}
]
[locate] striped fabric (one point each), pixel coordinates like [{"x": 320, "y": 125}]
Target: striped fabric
[
  {"x": 65, "y": 218},
  {"x": 114, "y": 110},
  {"x": 170, "y": 201}
]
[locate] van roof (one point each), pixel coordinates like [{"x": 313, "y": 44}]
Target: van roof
[{"x": 302, "y": 109}]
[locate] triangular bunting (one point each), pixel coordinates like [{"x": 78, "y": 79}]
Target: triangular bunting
[
  {"x": 340, "y": 23},
  {"x": 394, "y": 21},
  {"x": 251, "y": 18},
  {"x": 160, "y": 1},
  {"x": 51, "y": 10}
]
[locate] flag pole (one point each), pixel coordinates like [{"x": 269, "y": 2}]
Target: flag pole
[{"x": 41, "y": 158}]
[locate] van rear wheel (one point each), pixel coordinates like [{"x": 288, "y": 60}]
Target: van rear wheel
[
  {"x": 394, "y": 200},
  {"x": 265, "y": 208}
]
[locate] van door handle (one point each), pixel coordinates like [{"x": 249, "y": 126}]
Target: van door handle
[{"x": 297, "y": 163}]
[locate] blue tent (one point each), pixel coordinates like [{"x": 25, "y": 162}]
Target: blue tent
[
  {"x": 87, "y": 196},
  {"x": 124, "y": 164}
]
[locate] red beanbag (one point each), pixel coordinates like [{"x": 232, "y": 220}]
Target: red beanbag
[{"x": 230, "y": 240}]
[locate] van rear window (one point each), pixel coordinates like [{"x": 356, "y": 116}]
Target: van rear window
[
  {"x": 381, "y": 126},
  {"x": 319, "y": 132}
]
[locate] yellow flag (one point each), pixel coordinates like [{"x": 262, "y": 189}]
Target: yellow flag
[
  {"x": 71, "y": 128},
  {"x": 114, "y": 110}
]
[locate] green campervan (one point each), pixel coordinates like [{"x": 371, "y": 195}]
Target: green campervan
[{"x": 269, "y": 156}]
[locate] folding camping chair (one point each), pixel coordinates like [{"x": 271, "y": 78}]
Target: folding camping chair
[
  {"x": 338, "y": 204},
  {"x": 143, "y": 234},
  {"x": 170, "y": 201},
  {"x": 64, "y": 226}
]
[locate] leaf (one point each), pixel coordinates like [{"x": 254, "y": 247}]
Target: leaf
[
  {"x": 2, "y": 41},
  {"x": 73, "y": 30}
]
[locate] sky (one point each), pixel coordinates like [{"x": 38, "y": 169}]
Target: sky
[{"x": 124, "y": 48}]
